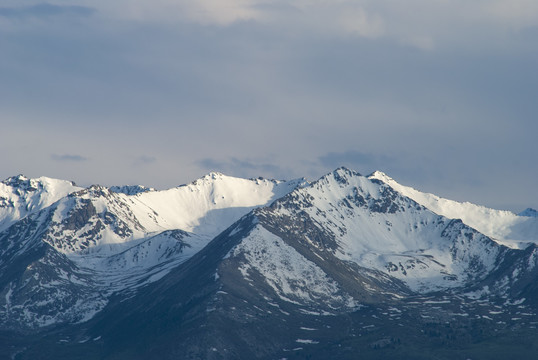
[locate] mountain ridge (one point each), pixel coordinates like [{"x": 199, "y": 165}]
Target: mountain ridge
[
  {"x": 252, "y": 268},
  {"x": 503, "y": 226},
  {"x": 123, "y": 242}
]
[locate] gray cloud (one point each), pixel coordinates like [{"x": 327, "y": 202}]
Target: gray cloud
[
  {"x": 275, "y": 90},
  {"x": 44, "y": 10},
  {"x": 68, "y": 157},
  {"x": 364, "y": 162},
  {"x": 144, "y": 160}
]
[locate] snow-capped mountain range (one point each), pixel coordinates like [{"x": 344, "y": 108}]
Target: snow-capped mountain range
[
  {"x": 112, "y": 239},
  {"x": 70, "y": 255}
]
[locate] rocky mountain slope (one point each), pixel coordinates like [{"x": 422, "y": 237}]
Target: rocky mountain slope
[{"x": 233, "y": 268}]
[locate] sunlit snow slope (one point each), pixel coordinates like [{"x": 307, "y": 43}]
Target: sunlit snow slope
[
  {"x": 502, "y": 226},
  {"x": 208, "y": 205},
  {"x": 20, "y": 196}
]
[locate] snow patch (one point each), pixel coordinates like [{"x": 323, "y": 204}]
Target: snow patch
[{"x": 306, "y": 341}]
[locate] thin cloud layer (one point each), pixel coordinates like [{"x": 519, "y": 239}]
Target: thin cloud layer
[
  {"x": 144, "y": 160},
  {"x": 45, "y": 10},
  {"x": 68, "y": 157},
  {"x": 357, "y": 160},
  {"x": 418, "y": 23}
]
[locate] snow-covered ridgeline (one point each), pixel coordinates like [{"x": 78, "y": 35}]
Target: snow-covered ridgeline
[
  {"x": 128, "y": 240},
  {"x": 208, "y": 205},
  {"x": 118, "y": 239},
  {"x": 379, "y": 228},
  {"x": 503, "y": 226},
  {"x": 97, "y": 219},
  {"x": 21, "y": 196}
]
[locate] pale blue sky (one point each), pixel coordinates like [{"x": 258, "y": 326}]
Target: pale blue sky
[{"x": 440, "y": 95}]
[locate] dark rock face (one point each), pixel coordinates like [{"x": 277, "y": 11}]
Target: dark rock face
[
  {"x": 80, "y": 215},
  {"x": 6, "y": 203},
  {"x": 20, "y": 245},
  {"x": 20, "y": 184},
  {"x": 130, "y": 189}
]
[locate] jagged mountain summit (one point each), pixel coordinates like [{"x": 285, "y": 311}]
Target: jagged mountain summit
[
  {"x": 530, "y": 212},
  {"x": 21, "y": 196},
  {"x": 234, "y": 268}
]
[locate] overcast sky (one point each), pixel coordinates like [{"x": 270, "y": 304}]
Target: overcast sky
[{"x": 441, "y": 95}]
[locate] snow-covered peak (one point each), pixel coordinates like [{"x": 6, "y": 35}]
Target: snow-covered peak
[
  {"x": 336, "y": 186},
  {"x": 529, "y": 212},
  {"x": 340, "y": 177},
  {"x": 15, "y": 180},
  {"x": 21, "y": 196},
  {"x": 379, "y": 175},
  {"x": 503, "y": 226},
  {"x": 208, "y": 205},
  {"x": 214, "y": 175},
  {"x": 342, "y": 174},
  {"x": 366, "y": 221},
  {"x": 24, "y": 183}
]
